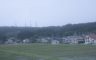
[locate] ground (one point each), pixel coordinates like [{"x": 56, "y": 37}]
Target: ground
[{"x": 47, "y": 52}]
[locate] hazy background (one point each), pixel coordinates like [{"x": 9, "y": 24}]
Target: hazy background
[{"x": 46, "y": 12}]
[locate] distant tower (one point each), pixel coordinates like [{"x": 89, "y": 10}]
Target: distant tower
[
  {"x": 30, "y": 22},
  {"x": 25, "y": 25},
  {"x": 25, "y": 22},
  {"x": 36, "y": 24}
]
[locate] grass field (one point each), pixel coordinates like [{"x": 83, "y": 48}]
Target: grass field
[{"x": 47, "y": 52}]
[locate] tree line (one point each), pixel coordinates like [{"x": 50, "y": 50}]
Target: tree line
[{"x": 51, "y": 31}]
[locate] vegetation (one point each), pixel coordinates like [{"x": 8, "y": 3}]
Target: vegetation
[
  {"x": 36, "y": 32},
  {"x": 47, "y": 52}
]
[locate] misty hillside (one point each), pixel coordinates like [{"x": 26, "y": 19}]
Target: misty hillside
[{"x": 56, "y": 31}]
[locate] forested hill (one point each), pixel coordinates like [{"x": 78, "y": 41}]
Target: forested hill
[{"x": 57, "y": 31}]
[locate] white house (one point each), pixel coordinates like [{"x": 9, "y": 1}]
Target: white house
[
  {"x": 90, "y": 39},
  {"x": 43, "y": 40},
  {"x": 26, "y": 41},
  {"x": 54, "y": 42}
]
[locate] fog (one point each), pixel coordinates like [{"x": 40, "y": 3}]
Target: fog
[{"x": 46, "y": 12}]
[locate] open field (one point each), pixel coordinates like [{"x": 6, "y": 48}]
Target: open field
[{"x": 47, "y": 52}]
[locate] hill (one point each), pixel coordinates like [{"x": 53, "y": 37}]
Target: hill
[{"x": 51, "y": 31}]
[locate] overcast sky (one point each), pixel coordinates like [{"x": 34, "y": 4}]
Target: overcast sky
[{"x": 46, "y": 12}]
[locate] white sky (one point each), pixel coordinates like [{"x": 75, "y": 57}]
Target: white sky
[{"x": 46, "y": 12}]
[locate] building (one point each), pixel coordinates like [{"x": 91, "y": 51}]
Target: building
[
  {"x": 77, "y": 39},
  {"x": 11, "y": 40},
  {"x": 26, "y": 41},
  {"x": 73, "y": 40},
  {"x": 90, "y": 39},
  {"x": 54, "y": 42},
  {"x": 66, "y": 40},
  {"x": 44, "y": 40}
]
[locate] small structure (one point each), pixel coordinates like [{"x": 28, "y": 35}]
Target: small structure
[
  {"x": 43, "y": 40},
  {"x": 26, "y": 41},
  {"x": 66, "y": 40},
  {"x": 90, "y": 39},
  {"x": 54, "y": 42},
  {"x": 11, "y": 40}
]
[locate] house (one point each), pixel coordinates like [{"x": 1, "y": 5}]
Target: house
[
  {"x": 73, "y": 40},
  {"x": 54, "y": 42},
  {"x": 11, "y": 40},
  {"x": 26, "y": 41},
  {"x": 44, "y": 40},
  {"x": 65, "y": 40},
  {"x": 90, "y": 39},
  {"x": 77, "y": 39}
]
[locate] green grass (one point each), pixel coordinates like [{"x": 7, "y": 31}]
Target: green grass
[{"x": 47, "y": 52}]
